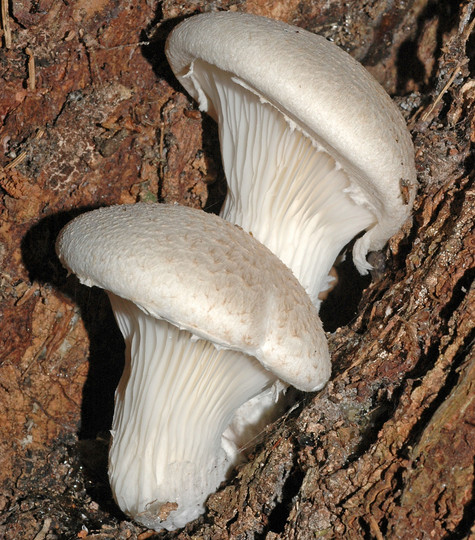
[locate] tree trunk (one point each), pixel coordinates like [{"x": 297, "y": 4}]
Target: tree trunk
[{"x": 91, "y": 115}]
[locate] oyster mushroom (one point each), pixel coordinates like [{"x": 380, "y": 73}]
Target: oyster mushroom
[
  {"x": 314, "y": 150},
  {"x": 211, "y": 319}
]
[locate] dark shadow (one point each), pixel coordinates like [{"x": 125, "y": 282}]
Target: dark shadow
[
  {"x": 278, "y": 517},
  {"x": 156, "y": 35},
  {"x": 341, "y": 305},
  {"x": 211, "y": 146},
  {"x": 409, "y": 67},
  {"x": 471, "y": 52},
  {"x": 106, "y": 349}
]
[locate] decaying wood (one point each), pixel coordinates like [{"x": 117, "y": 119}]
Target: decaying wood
[{"x": 91, "y": 115}]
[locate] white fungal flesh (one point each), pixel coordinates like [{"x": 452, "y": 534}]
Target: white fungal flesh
[
  {"x": 291, "y": 196},
  {"x": 176, "y": 397}
]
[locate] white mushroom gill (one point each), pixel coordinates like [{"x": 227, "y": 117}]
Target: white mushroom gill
[
  {"x": 176, "y": 397},
  {"x": 283, "y": 187}
]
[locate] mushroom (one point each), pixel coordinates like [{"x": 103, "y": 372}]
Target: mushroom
[
  {"x": 211, "y": 319},
  {"x": 314, "y": 150}
]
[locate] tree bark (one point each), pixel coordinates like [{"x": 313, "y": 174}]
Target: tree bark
[{"x": 91, "y": 115}]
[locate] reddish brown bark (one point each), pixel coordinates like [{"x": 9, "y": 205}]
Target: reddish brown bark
[{"x": 91, "y": 116}]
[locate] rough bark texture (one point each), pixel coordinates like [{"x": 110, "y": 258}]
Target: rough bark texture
[{"x": 90, "y": 115}]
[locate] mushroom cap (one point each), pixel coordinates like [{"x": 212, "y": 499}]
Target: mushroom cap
[
  {"x": 321, "y": 90},
  {"x": 204, "y": 275}
]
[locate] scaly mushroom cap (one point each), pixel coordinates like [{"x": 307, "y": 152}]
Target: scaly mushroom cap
[
  {"x": 203, "y": 275},
  {"x": 323, "y": 93}
]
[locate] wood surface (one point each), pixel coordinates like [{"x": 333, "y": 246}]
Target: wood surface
[{"x": 91, "y": 115}]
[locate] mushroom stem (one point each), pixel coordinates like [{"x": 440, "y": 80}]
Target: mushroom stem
[
  {"x": 176, "y": 397},
  {"x": 297, "y": 201}
]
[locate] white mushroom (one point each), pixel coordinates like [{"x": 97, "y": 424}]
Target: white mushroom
[
  {"x": 314, "y": 150},
  {"x": 211, "y": 319}
]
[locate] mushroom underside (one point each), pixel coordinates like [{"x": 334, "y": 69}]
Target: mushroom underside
[
  {"x": 177, "y": 396},
  {"x": 283, "y": 186}
]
